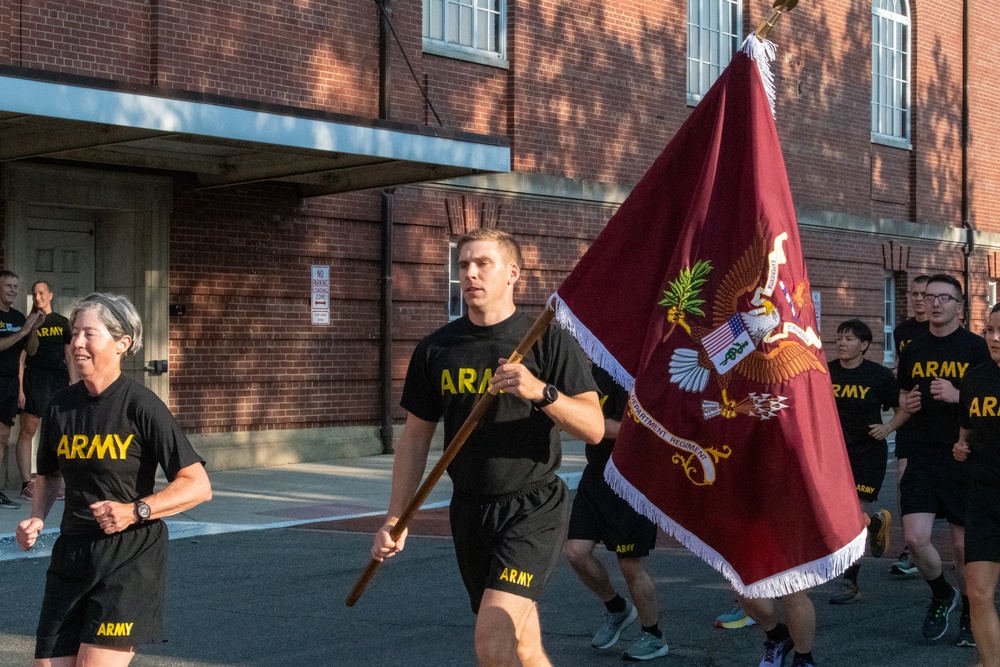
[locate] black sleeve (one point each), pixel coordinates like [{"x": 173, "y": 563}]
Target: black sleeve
[
  {"x": 159, "y": 427},
  {"x": 567, "y": 367},
  {"x": 419, "y": 396},
  {"x": 890, "y": 391},
  {"x": 905, "y": 370},
  {"x": 965, "y": 391}
]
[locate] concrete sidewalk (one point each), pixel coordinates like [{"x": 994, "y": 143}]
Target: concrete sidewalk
[{"x": 282, "y": 496}]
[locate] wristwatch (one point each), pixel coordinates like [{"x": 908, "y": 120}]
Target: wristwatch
[
  {"x": 549, "y": 396},
  {"x": 142, "y": 511}
]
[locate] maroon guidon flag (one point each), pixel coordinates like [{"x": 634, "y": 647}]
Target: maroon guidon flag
[{"x": 695, "y": 298}]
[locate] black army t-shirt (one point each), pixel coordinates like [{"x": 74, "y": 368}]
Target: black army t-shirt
[
  {"x": 949, "y": 358},
  {"x": 980, "y": 406},
  {"x": 861, "y": 394},
  {"x": 53, "y": 337},
  {"x": 10, "y": 359},
  {"x": 514, "y": 445},
  {"x": 108, "y": 446},
  {"x": 614, "y": 400},
  {"x": 907, "y": 332}
]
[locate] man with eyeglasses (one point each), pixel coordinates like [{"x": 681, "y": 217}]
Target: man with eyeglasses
[
  {"x": 930, "y": 370},
  {"x": 902, "y": 335}
]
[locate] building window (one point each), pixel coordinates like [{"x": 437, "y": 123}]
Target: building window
[
  {"x": 891, "y": 72},
  {"x": 889, "y": 319},
  {"x": 993, "y": 293},
  {"x": 456, "y": 304},
  {"x": 715, "y": 28},
  {"x": 473, "y": 30}
]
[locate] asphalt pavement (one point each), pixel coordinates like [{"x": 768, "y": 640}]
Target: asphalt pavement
[{"x": 259, "y": 575}]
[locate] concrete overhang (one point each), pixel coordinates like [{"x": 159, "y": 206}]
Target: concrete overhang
[{"x": 226, "y": 142}]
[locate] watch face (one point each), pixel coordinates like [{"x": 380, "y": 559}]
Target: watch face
[
  {"x": 142, "y": 510},
  {"x": 551, "y": 393}
]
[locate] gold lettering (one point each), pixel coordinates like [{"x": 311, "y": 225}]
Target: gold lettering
[
  {"x": 447, "y": 384},
  {"x": 961, "y": 368},
  {"x": 466, "y": 376},
  {"x": 974, "y": 408},
  {"x": 123, "y": 446},
  {"x": 63, "y": 448},
  {"x": 990, "y": 406},
  {"x": 79, "y": 442},
  {"x": 850, "y": 391},
  {"x": 864, "y": 392},
  {"x": 102, "y": 448},
  {"x": 918, "y": 371},
  {"x": 505, "y": 576},
  {"x": 836, "y": 390},
  {"x": 484, "y": 386},
  {"x": 103, "y": 630},
  {"x": 932, "y": 368},
  {"x": 948, "y": 369}
]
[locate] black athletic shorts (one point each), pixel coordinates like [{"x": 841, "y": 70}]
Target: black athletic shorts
[
  {"x": 39, "y": 386},
  {"x": 982, "y": 524},
  {"x": 510, "y": 543},
  {"x": 934, "y": 483},
  {"x": 868, "y": 465},
  {"x": 10, "y": 390},
  {"x": 903, "y": 447},
  {"x": 601, "y": 515},
  {"x": 105, "y": 590}
]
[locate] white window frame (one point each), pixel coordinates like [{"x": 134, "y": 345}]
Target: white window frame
[
  {"x": 454, "y": 283},
  {"x": 711, "y": 42},
  {"x": 442, "y": 27},
  {"x": 889, "y": 318},
  {"x": 992, "y": 296},
  {"x": 891, "y": 76}
]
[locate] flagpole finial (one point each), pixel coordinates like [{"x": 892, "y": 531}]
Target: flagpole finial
[{"x": 779, "y": 7}]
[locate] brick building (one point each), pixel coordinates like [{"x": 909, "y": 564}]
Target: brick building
[{"x": 203, "y": 156}]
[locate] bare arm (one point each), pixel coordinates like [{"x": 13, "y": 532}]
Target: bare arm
[
  {"x": 882, "y": 431},
  {"x": 189, "y": 488},
  {"x": 407, "y": 471},
  {"x": 579, "y": 415},
  {"x": 46, "y": 489},
  {"x": 30, "y": 325}
]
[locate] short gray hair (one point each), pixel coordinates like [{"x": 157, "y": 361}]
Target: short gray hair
[{"x": 117, "y": 314}]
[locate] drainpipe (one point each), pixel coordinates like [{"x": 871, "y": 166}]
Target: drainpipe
[
  {"x": 385, "y": 324},
  {"x": 970, "y": 229}
]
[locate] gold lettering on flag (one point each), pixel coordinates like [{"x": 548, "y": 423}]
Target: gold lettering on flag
[{"x": 707, "y": 456}]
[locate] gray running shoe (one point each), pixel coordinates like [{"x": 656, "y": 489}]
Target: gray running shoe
[
  {"x": 646, "y": 647},
  {"x": 8, "y": 504},
  {"x": 936, "y": 622},
  {"x": 775, "y": 652},
  {"x": 607, "y": 635}
]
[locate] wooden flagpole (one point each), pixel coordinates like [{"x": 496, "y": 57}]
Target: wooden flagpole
[
  {"x": 779, "y": 7},
  {"x": 484, "y": 402}
]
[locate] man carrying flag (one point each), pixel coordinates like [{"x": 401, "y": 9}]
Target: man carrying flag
[
  {"x": 509, "y": 510},
  {"x": 731, "y": 442}
]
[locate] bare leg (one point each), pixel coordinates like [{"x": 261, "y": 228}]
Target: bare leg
[
  {"x": 917, "y": 532},
  {"x": 642, "y": 589},
  {"x": 91, "y": 655},
  {"x": 4, "y": 441},
  {"x": 29, "y": 424},
  {"x": 591, "y": 571},
  {"x": 801, "y": 620},
  {"x": 760, "y": 610},
  {"x": 508, "y": 633},
  {"x": 982, "y": 584},
  {"x": 958, "y": 550}
]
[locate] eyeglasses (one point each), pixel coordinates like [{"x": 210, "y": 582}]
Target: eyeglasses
[{"x": 944, "y": 299}]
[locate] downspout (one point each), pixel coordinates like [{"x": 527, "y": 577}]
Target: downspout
[
  {"x": 970, "y": 229},
  {"x": 385, "y": 324}
]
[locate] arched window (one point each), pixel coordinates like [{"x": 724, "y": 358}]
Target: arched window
[
  {"x": 891, "y": 72},
  {"x": 715, "y": 28}
]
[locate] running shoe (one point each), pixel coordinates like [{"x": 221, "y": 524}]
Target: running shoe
[
  {"x": 936, "y": 622},
  {"x": 965, "y": 637},
  {"x": 800, "y": 661},
  {"x": 607, "y": 635},
  {"x": 775, "y": 652},
  {"x": 733, "y": 619},
  {"x": 849, "y": 595},
  {"x": 878, "y": 541},
  {"x": 28, "y": 491},
  {"x": 8, "y": 504},
  {"x": 646, "y": 647},
  {"x": 903, "y": 567}
]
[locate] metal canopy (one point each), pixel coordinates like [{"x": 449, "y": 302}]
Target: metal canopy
[{"x": 228, "y": 142}]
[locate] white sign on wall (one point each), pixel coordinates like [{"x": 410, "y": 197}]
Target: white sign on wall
[{"x": 320, "y": 301}]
